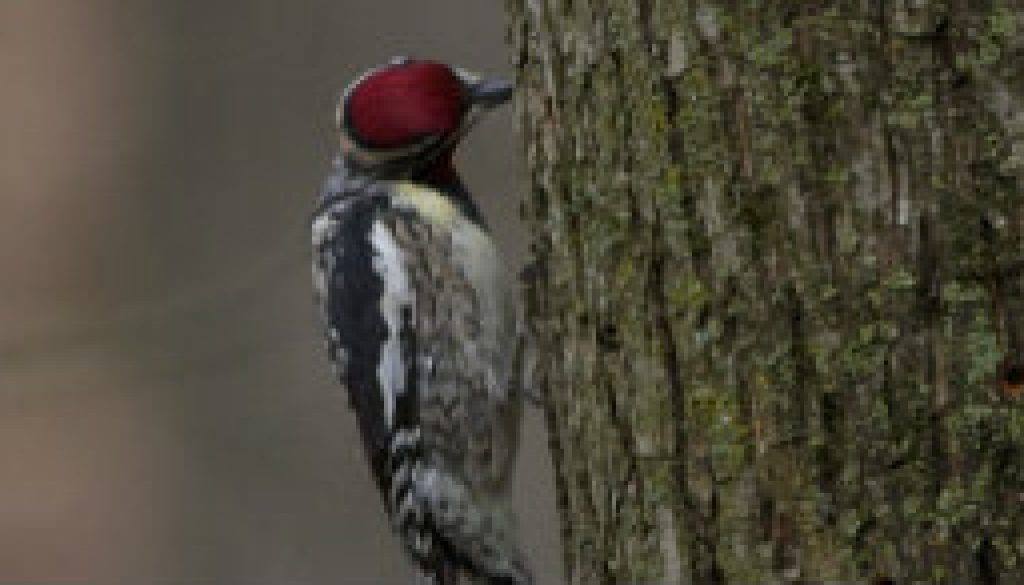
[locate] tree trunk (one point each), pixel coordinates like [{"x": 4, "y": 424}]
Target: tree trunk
[{"x": 778, "y": 285}]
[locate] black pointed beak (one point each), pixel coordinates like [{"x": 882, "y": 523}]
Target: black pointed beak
[{"x": 491, "y": 93}]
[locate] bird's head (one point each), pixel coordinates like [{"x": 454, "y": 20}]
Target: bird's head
[{"x": 404, "y": 119}]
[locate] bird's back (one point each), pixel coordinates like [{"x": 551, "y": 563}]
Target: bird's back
[{"x": 423, "y": 336}]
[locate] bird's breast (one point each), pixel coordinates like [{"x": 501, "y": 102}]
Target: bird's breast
[{"x": 473, "y": 250}]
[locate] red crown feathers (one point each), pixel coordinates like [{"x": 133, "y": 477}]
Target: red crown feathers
[{"x": 401, "y": 104}]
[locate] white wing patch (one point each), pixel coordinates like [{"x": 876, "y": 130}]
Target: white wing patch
[{"x": 388, "y": 263}]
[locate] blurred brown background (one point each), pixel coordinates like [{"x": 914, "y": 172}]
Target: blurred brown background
[{"x": 166, "y": 413}]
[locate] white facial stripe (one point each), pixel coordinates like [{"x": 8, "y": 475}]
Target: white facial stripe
[{"x": 388, "y": 264}]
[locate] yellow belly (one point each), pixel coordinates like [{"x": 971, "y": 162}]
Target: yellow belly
[{"x": 428, "y": 202}]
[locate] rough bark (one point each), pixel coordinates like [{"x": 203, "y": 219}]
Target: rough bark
[{"x": 778, "y": 286}]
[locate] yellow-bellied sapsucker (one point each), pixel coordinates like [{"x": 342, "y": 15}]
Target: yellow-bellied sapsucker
[{"x": 420, "y": 325}]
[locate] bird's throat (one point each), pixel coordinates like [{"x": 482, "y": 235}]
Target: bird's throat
[{"x": 442, "y": 172}]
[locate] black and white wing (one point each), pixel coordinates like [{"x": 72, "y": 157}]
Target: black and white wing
[{"x": 421, "y": 335}]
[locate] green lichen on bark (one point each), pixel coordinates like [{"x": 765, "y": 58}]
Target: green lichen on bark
[{"x": 778, "y": 285}]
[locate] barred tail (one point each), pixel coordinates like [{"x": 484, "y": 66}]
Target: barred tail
[{"x": 444, "y": 526}]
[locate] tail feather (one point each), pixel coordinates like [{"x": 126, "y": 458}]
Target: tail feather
[
  {"x": 444, "y": 572},
  {"x": 447, "y": 526},
  {"x": 473, "y": 532}
]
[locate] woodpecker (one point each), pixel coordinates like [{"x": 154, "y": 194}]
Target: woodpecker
[{"x": 420, "y": 326}]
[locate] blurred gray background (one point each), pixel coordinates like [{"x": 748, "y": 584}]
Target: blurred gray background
[{"x": 166, "y": 413}]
